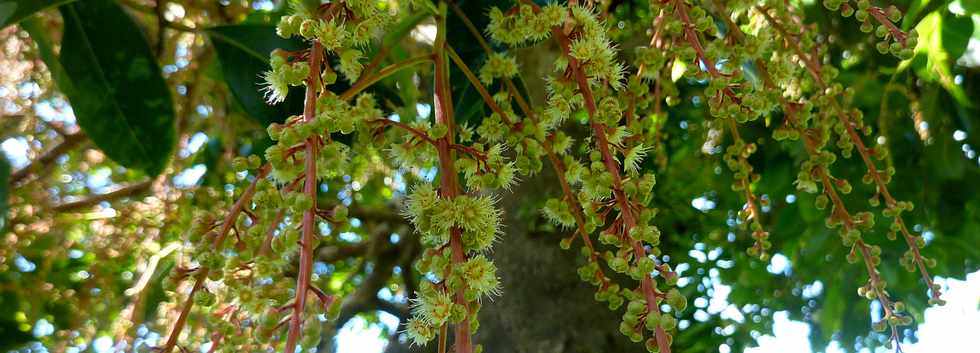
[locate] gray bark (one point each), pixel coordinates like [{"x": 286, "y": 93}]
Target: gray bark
[{"x": 545, "y": 307}]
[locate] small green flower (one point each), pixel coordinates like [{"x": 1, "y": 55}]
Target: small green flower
[{"x": 419, "y": 331}]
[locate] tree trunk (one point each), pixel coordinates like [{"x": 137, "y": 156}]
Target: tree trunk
[{"x": 545, "y": 307}]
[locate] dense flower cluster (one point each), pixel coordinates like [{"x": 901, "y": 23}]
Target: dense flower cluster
[{"x": 606, "y": 179}]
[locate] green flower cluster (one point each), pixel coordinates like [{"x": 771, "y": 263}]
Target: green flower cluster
[
  {"x": 525, "y": 24},
  {"x": 342, "y": 28},
  {"x": 434, "y": 217},
  {"x": 894, "y": 41},
  {"x": 498, "y": 65},
  {"x": 477, "y": 221},
  {"x": 587, "y": 171},
  {"x": 283, "y": 75}
]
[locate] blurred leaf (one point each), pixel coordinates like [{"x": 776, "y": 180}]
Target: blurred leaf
[
  {"x": 4, "y": 183},
  {"x": 404, "y": 86},
  {"x": 832, "y": 310},
  {"x": 13, "y": 11},
  {"x": 971, "y": 6},
  {"x": 243, "y": 51},
  {"x": 114, "y": 86}
]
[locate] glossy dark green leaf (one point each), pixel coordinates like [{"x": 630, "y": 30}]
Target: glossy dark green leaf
[
  {"x": 14, "y": 11},
  {"x": 468, "y": 106},
  {"x": 116, "y": 91},
  {"x": 243, "y": 51}
]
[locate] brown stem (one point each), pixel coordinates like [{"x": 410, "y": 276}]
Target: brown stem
[
  {"x": 855, "y": 138},
  {"x": 612, "y": 166},
  {"x": 184, "y": 312},
  {"x": 693, "y": 39},
  {"x": 879, "y": 15},
  {"x": 367, "y": 81},
  {"x": 121, "y": 192},
  {"x": 270, "y": 233},
  {"x": 309, "y": 215},
  {"x": 69, "y": 141},
  {"x": 521, "y": 102},
  {"x": 416, "y": 132},
  {"x": 569, "y": 196},
  {"x": 226, "y": 226},
  {"x": 449, "y": 183}
]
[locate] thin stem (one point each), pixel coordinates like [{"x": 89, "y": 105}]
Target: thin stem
[
  {"x": 422, "y": 135},
  {"x": 184, "y": 312},
  {"x": 521, "y": 102},
  {"x": 612, "y": 166},
  {"x": 694, "y": 40},
  {"x": 226, "y": 225},
  {"x": 69, "y": 142},
  {"x": 569, "y": 196},
  {"x": 879, "y": 15},
  {"x": 477, "y": 85},
  {"x": 366, "y": 81},
  {"x": 865, "y": 153}
]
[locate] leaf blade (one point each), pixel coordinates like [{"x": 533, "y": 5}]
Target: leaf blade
[
  {"x": 116, "y": 91},
  {"x": 240, "y": 51},
  {"x": 14, "y": 11}
]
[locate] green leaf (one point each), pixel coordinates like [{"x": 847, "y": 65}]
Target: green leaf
[
  {"x": 4, "y": 184},
  {"x": 956, "y": 35},
  {"x": 114, "y": 86},
  {"x": 13, "y": 11},
  {"x": 243, "y": 51},
  {"x": 941, "y": 41},
  {"x": 467, "y": 103},
  {"x": 970, "y": 6},
  {"x": 39, "y": 35}
]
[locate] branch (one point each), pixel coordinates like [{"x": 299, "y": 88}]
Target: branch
[
  {"x": 121, "y": 192},
  {"x": 69, "y": 142},
  {"x": 612, "y": 165},
  {"x": 226, "y": 226}
]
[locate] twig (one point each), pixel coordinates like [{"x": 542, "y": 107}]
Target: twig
[
  {"x": 121, "y": 192},
  {"x": 69, "y": 142}
]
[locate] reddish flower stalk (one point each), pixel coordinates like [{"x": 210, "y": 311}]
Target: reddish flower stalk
[
  {"x": 567, "y": 195},
  {"x": 625, "y": 207},
  {"x": 882, "y": 18},
  {"x": 309, "y": 215},
  {"x": 449, "y": 180},
  {"x": 694, "y": 40},
  {"x": 202, "y": 274},
  {"x": 814, "y": 69},
  {"x": 556, "y": 163},
  {"x": 840, "y": 211}
]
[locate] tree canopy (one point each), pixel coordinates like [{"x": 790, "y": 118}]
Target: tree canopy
[{"x": 250, "y": 175}]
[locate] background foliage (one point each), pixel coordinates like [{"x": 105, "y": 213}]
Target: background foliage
[{"x": 119, "y": 106}]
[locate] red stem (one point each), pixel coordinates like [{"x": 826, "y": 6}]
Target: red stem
[
  {"x": 226, "y": 226},
  {"x": 613, "y": 167},
  {"x": 309, "y": 215}
]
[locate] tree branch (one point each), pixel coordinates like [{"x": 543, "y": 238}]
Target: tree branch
[
  {"x": 69, "y": 142},
  {"x": 121, "y": 192}
]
